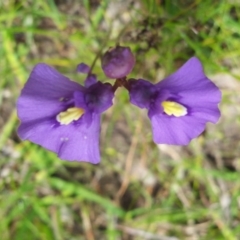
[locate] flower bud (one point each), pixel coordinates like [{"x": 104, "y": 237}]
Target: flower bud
[{"x": 118, "y": 62}]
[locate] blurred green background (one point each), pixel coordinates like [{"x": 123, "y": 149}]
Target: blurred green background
[{"x": 139, "y": 190}]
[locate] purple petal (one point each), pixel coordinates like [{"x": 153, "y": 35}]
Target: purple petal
[
  {"x": 176, "y": 131},
  {"x": 194, "y": 90},
  {"x": 191, "y": 85},
  {"x": 99, "y": 97},
  {"x": 141, "y": 92},
  {"x": 44, "y": 96},
  {"x": 73, "y": 142},
  {"x": 185, "y": 77},
  {"x": 84, "y": 143},
  {"x": 208, "y": 113},
  {"x": 90, "y": 80},
  {"x": 79, "y": 100},
  {"x": 45, "y": 93},
  {"x": 83, "y": 68}
]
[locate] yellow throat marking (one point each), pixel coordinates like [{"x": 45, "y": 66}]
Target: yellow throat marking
[
  {"x": 173, "y": 108},
  {"x": 71, "y": 114}
]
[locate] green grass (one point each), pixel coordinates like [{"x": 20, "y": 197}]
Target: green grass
[{"x": 139, "y": 190}]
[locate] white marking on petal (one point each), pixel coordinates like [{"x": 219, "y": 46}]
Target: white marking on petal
[
  {"x": 64, "y": 139},
  {"x": 70, "y": 115},
  {"x": 174, "y": 108}
]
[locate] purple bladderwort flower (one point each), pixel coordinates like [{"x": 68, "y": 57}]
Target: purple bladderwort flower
[
  {"x": 180, "y": 105},
  {"x": 118, "y": 62},
  {"x": 61, "y": 115}
]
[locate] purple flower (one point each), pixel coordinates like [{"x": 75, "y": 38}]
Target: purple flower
[
  {"x": 180, "y": 105},
  {"x": 118, "y": 62},
  {"x": 61, "y": 115}
]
